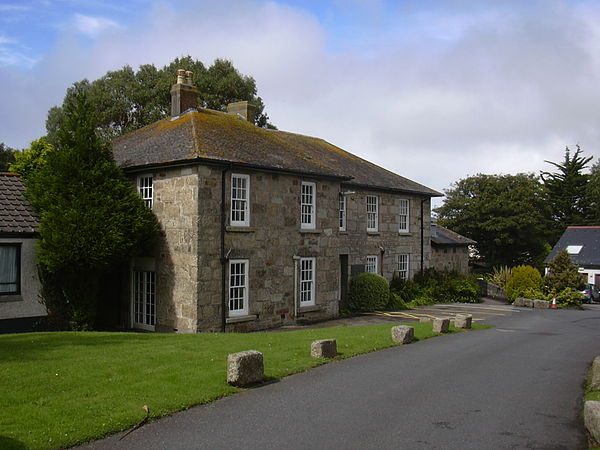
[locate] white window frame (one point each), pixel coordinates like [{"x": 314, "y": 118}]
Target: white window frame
[
  {"x": 403, "y": 265},
  {"x": 143, "y": 299},
  {"x": 308, "y": 270},
  {"x": 342, "y": 207},
  {"x": 235, "y": 282},
  {"x": 10, "y": 261},
  {"x": 240, "y": 204},
  {"x": 372, "y": 212},
  {"x": 371, "y": 266},
  {"x": 145, "y": 187},
  {"x": 404, "y": 216},
  {"x": 308, "y": 205}
]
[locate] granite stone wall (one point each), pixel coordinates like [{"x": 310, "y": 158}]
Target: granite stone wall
[{"x": 187, "y": 202}]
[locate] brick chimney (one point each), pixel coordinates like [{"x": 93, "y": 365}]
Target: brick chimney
[
  {"x": 243, "y": 109},
  {"x": 184, "y": 94}
]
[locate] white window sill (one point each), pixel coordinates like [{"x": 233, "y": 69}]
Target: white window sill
[{"x": 238, "y": 319}]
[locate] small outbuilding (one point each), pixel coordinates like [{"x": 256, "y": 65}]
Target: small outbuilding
[{"x": 449, "y": 250}]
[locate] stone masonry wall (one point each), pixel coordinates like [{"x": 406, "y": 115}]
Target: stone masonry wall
[
  {"x": 187, "y": 202},
  {"x": 176, "y": 206},
  {"x": 357, "y": 242},
  {"x": 450, "y": 258}
]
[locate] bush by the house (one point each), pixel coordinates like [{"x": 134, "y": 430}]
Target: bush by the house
[
  {"x": 435, "y": 286},
  {"x": 568, "y": 297},
  {"x": 563, "y": 274},
  {"x": 368, "y": 292},
  {"x": 522, "y": 279}
]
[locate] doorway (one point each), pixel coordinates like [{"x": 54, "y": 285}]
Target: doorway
[{"x": 344, "y": 282}]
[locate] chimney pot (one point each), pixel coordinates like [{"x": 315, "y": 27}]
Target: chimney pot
[
  {"x": 188, "y": 77},
  {"x": 181, "y": 76},
  {"x": 183, "y": 94}
]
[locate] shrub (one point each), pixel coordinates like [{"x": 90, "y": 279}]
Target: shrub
[
  {"x": 368, "y": 292},
  {"x": 563, "y": 274},
  {"x": 395, "y": 302},
  {"x": 568, "y": 297},
  {"x": 435, "y": 286},
  {"x": 500, "y": 276},
  {"x": 534, "y": 293},
  {"x": 406, "y": 289},
  {"x": 522, "y": 279}
]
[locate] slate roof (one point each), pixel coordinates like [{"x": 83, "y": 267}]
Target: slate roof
[
  {"x": 16, "y": 214},
  {"x": 588, "y": 237},
  {"x": 448, "y": 237},
  {"x": 213, "y": 136}
]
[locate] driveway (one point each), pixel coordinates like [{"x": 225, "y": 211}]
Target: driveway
[{"x": 518, "y": 385}]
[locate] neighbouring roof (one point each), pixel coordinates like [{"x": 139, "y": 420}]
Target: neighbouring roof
[
  {"x": 444, "y": 236},
  {"x": 213, "y": 136},
  {"x": 16, "y": 214},
  {"x": 588, "y": 238}
]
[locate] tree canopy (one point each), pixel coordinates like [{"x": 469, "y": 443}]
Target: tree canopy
[
  {"x": 567, "y": 191},
  {"x": 91, "y": 217},
  {"x": 508, "y": 216},
  {"x": 30, "y": 160},
  {"x": 6, "y": 157},
  {"x": 126, "y": 100}
]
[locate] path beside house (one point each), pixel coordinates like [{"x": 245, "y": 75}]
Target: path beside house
[{"x": 518, "y": 385}]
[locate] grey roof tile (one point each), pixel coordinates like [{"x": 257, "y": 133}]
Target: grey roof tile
[
  {"x": 16, "y": 214},
  {"x": 215, "y": 136},
  {"x": 449, "y": 237},
  {"x": 588, "y": 237}
]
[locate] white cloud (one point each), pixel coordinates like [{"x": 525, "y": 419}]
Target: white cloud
[
  {"x": 93, "y": 26},
  {"x": 450, "y": 93}
]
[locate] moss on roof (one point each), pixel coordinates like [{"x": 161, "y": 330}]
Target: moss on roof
[{"x": 218, "y": 136}]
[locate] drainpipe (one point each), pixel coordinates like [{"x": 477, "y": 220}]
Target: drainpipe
[
  {"x": 382, "y": 251},
  {"x": 422, "y": 226},
  {"x": 296, "y": 258},
  {"x": 223, "y": 257}
]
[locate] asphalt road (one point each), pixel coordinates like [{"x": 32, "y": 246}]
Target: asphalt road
[{"x": 518, "y": 385}]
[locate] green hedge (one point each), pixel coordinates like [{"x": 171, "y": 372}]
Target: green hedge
[{"x": 368, "y": 292}]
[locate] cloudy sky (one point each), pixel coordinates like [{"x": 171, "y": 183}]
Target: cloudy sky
[{"x": 433, "y": 90}]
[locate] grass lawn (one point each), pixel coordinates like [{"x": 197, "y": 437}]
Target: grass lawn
[{"x": 60, "y": 389}]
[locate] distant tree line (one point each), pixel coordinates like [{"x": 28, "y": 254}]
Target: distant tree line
[{"x": 516, "y": 219}]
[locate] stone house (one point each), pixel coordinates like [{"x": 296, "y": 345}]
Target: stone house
[
  {"x": 20, "y": 309},
  {"x": 583, "y": 246},
  {"x": 449, "y": 250},
  {"x": 261, "y": 228}
]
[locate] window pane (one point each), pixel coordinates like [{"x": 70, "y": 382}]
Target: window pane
[{"x": 9, "y": 269}]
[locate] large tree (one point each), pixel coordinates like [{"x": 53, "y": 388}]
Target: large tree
[
  {"x": 6, "y": 157},
  {"x": 91, "y": 217},
  {"x": 127, "y": 100},
  {"x": 567, "y": 191},
  {"x": 508, "y": 216},
  {"x": 592, "y": 193}
]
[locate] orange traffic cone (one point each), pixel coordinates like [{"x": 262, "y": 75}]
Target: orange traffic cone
[{"x": 553, "y": 305}]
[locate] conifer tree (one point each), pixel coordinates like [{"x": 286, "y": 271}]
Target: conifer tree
[{"x": 91, "y": 217}]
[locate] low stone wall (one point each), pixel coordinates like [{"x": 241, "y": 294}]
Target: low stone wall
[
  {"x": 487, "y": 289},
  {"x": 531, "y": 303}
]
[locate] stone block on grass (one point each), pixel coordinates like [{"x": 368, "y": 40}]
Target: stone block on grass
[
  {"x": 441, "y": 325},
  {"x": 403, "y": 334},
  {"x": 543, "y": 304},
  {"x": 595, "y": 378},
  {"x": 245, "y": 368},
  {"x": 463, "y": 321},
  {"x": 324, "y": 348},
  {"x": 591, "y": 418}
]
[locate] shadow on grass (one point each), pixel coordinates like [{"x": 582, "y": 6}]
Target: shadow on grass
[{"x": 7, "y": 443}]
